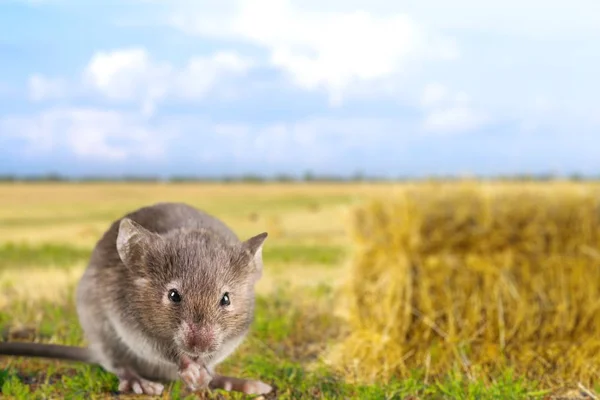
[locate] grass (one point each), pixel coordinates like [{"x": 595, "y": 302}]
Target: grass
[
  {"x": 23, "y": 255},
  {"x": 47, "y": 232},
  {"x": 19, "y": 255},
  {"x": 309, "y": 254},
  {"x": 282, "y": 349}
]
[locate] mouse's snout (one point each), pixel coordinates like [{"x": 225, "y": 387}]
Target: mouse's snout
[{"x": 198, "y": 338}]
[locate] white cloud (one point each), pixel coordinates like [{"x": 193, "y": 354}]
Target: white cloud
[
  {"x": 87, "y": 133},
  {"x": 202, "y": 73},
  {"x": 550, "y": 19},
  {"x": 329, "y": 50},
  {"x": 128, "y": 74},
  {"x": 42, "y": 88},
  {"x": 448, "y": 112},
  {"x": 131, "y": 75},
  {"x": 119, "y": 137},
  {"x": 433, "y": 94},
  {"x": 536, "y": 19},
  {"x": 454, "y": 119},
  {"x": 377, "y": 50},
  {"x": 312, "y": 141},
  {"x": 120, "y": 74}
]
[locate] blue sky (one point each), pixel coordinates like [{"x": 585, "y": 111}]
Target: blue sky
[{"x": 389, "y": 88}]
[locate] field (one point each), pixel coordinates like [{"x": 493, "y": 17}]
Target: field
[{"x": 48, "y": 230}]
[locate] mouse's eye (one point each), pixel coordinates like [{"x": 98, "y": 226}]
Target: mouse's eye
[
  {"x": 225, "y": 300},
  {"x": 174, "y": 296}
]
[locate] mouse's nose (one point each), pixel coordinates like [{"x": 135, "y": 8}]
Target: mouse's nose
[{"x": 200, "y": 338}]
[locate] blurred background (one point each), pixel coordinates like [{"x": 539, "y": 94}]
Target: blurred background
[
  {"x": 378, "y": 142},
  {"x": 271, "y": 87}
]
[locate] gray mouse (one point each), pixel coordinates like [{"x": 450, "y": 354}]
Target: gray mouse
[{"x": 168, "y": 294}]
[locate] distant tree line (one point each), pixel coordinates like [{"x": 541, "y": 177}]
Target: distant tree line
[{"x": 306, "y": 177}]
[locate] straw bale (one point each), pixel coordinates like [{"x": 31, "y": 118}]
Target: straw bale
[{"x": 474, "y": 280}]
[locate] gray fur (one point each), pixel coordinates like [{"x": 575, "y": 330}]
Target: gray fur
[
  {"x": 131, "y": 327},
  {"x": 159, "y": 244}
]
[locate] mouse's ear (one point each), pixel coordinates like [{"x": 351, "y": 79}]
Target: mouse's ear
[
  {"x": 253, "y": 247},
  {"x": 131, "y": 239}
]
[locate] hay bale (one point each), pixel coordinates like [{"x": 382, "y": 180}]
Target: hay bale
[{"x": 476, "y": 280}]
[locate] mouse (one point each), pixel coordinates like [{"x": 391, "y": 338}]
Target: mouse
[{"x": 168, "y": 294}]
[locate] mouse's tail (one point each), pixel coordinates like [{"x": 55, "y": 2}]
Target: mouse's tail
[{"x": 43, "y": 350}]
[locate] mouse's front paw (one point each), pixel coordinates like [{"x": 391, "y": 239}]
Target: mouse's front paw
[{"x": 194, "y": 375}]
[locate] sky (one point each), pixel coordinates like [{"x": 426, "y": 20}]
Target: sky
[{"x": 388, "y": 88}]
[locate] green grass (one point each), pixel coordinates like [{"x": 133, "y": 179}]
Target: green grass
[
  {"x": 283, "y": 349},
  {"x": 18, "y": 255},
  {"x": 309, "y": 254},
  {"x": 54, "y": 220},
  {"x": 291, "y": 380},
  {"x": 297, "y": 384}
]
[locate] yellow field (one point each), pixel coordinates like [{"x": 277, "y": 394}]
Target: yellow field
[
  {"x": 305, "y": 249},
  {"x": 78, "y": 214},
  {"x": 332, "y": 236}
]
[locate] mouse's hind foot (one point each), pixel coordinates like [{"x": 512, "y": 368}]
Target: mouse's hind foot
[
  {"x": 129, "y": 381},
  {"x": 246, "y": 386}
]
